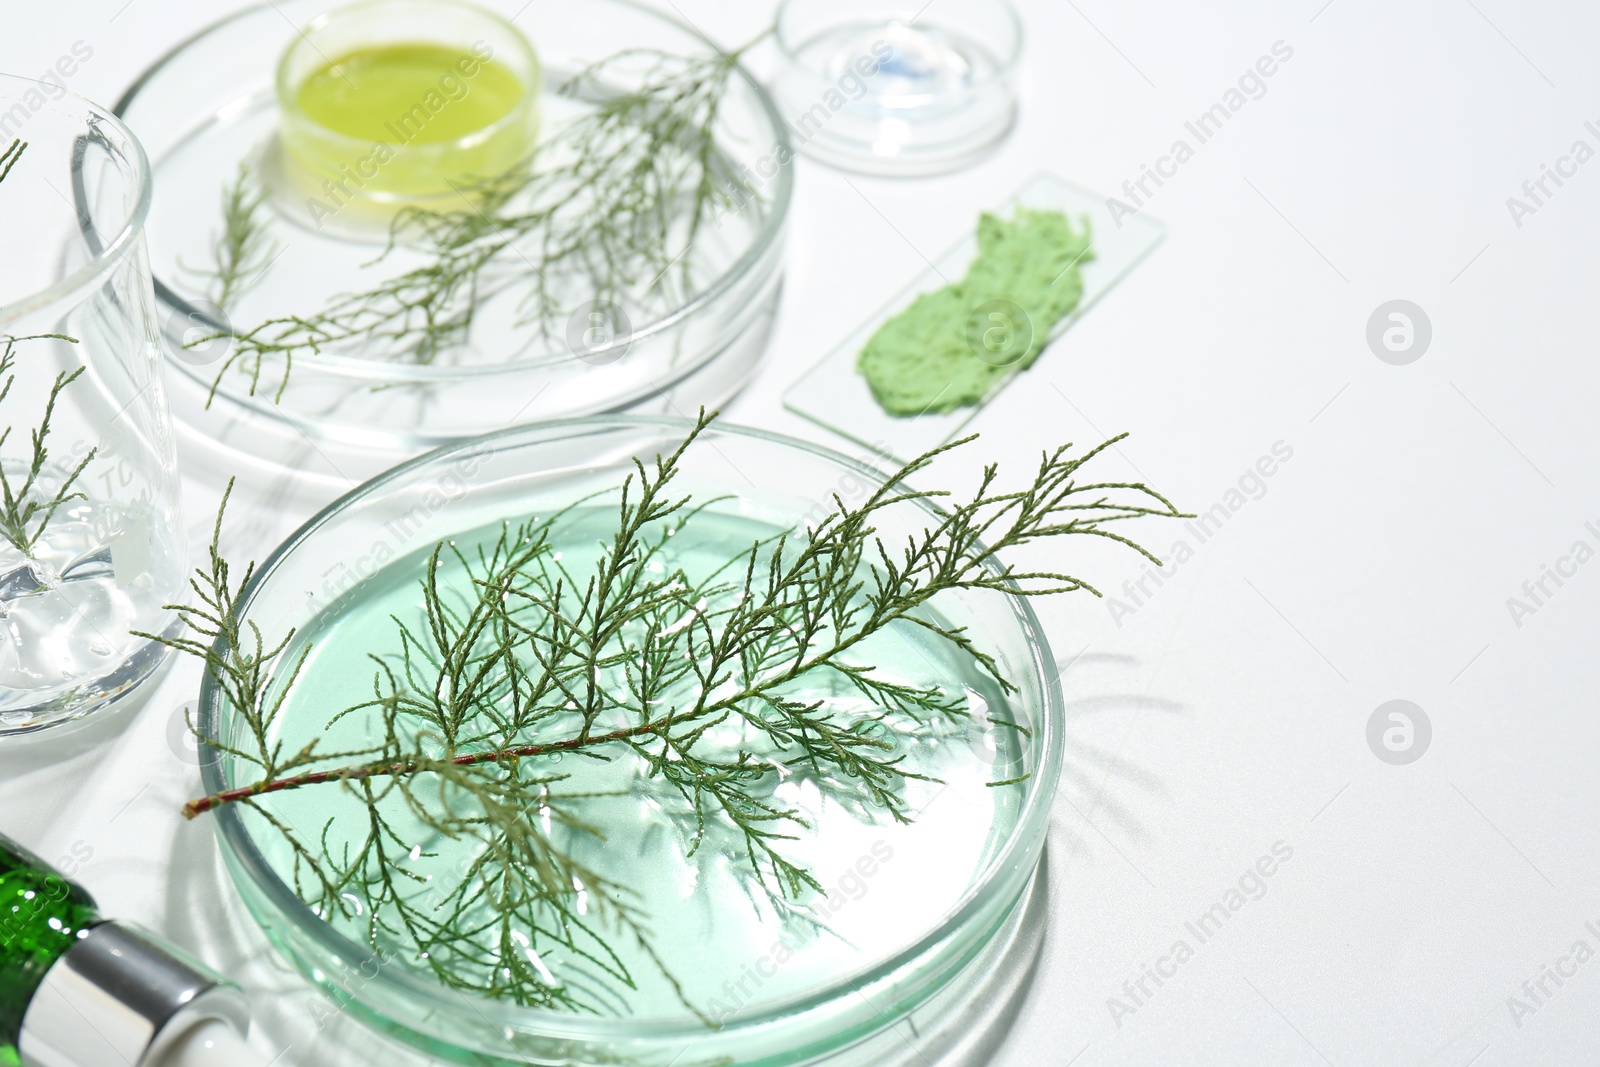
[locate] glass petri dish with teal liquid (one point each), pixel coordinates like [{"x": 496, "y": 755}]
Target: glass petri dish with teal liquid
[{"x": 676, "y": 937}]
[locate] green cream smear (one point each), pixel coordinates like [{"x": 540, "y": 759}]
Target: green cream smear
[{"x": 949, "y": 348}]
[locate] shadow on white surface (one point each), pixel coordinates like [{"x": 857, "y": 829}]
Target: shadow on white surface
[
  {"x": 40, "y": 772},
  {"x": 1099, "y": 784}
]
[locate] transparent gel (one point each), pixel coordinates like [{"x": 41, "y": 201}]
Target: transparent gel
[{"x": 67, "y": 606}]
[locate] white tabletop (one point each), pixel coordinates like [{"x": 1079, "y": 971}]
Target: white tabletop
[{"x": 1226, "y": 713}]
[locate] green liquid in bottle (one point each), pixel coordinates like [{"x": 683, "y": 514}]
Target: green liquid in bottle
[{"x": 41, "y": 916}]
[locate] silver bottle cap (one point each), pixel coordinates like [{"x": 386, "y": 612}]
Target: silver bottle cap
[{"x": 120, "y": 997}]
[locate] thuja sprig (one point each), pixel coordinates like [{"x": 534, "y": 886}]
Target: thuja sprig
[
  {"x": 244, "y": 248},
  {"x": 24, "y": 509},
  {"x": 603, "y": 213},
  {"x": 9, "y": 157},
  {"x": 714, "y": 685}
]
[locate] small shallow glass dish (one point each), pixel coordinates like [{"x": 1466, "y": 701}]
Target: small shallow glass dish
[
  {"x": 834, "y": 394},
  {"x": 347, "y": 414},
  {"x": 430, "y": 165},
  {"x": 898, "y": 88},
  {"x": 982, "y": 927}
]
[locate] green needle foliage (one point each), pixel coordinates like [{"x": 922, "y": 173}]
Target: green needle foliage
[
  {"x": 603, "y": 213},
  {"x": 25, "y": 510},
  {"x": 632, "y": 659},
  {"x": 9, "y": 157},
  {"x": 244, "y": 249}
]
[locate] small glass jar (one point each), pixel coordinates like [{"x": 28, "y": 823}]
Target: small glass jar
[
  {"x": 91, "y": 542},
  {"x": 895, "y": 88},
  {"x": 960, "y": 898},
  {"x": 372, "y": 143}
]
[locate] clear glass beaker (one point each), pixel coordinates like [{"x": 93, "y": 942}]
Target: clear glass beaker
[{"x": 91, "y": 542}]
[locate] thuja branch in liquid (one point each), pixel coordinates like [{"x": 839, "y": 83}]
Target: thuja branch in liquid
[
  {"x": 24, "y": 509},
  {"x": 200, "y": 806},
  {"x": 636, "y": 657}
]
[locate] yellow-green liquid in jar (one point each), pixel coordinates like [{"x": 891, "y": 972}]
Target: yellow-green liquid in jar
[{"x": 411, "y": 119}]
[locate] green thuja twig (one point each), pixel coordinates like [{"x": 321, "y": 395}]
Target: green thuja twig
[
  {"x": 9, "y": 157},
  {"x": 24, "y": 513},
  {"x": 244, "y": 249},
  {"x": 712, "y": 685}
]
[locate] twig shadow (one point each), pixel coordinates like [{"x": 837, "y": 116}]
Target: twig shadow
[
  {"x": 83, "y": 742},
  {"x": 1100, "y": 785}
]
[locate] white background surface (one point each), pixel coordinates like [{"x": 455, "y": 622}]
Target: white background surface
[{"x": 1229, "y": 712}]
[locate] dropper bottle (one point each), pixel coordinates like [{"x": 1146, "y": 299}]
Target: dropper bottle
[{"x": 80, "y": 991}]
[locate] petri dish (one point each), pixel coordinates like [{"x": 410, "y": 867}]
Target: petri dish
[
  {"x": 907, "y": 917},
  {"x": 350, "y": 411},
  {"x": 898, "y": 89}
]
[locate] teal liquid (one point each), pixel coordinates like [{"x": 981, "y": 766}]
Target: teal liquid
[{"x": 729, "y": 948}]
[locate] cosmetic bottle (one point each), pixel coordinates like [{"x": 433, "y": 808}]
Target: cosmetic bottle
[{"x": 77, "y": 990}]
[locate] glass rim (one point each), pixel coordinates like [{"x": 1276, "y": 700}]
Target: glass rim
[
  {"x": 240, "y": 847},
  {"x": 527, "y": 58},
  {"x": 766, "y": 236},
  {"x": 1005, "y": 66},
  {"x": 131, "y": 227}
]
